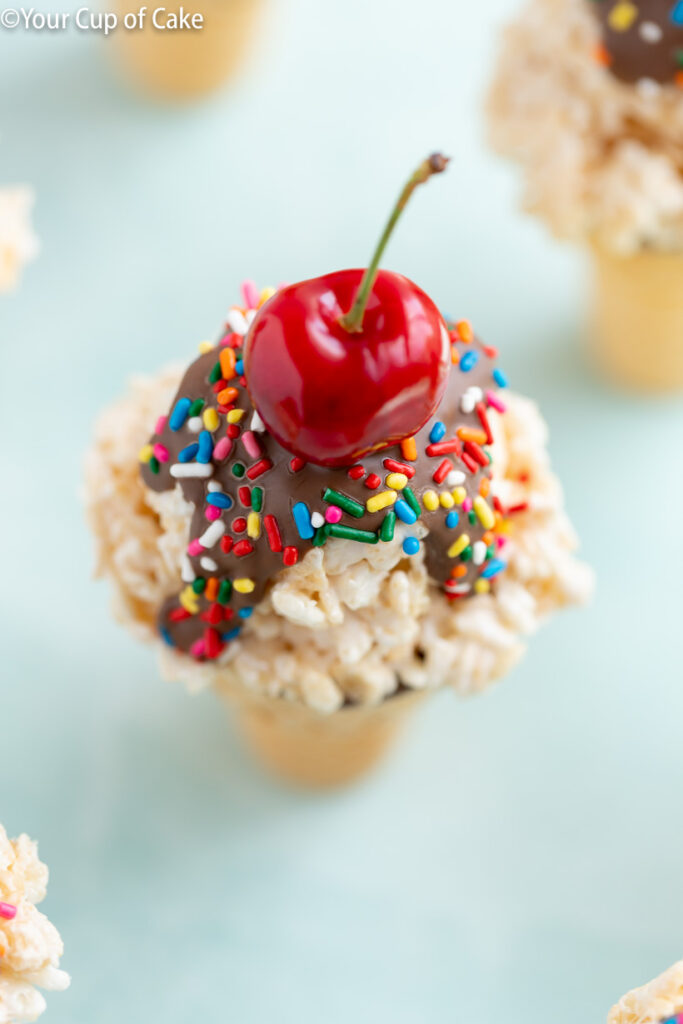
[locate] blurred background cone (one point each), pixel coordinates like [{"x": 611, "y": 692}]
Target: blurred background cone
[
  {"x": 185, "y": 63},
  {"x": 304, "y": 746},
  {"x": 638, "y": 318}
]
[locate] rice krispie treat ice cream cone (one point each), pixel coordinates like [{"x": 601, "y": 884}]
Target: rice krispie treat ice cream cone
[
  {"x": 30, "y": 946},
  {"x": 171, "y": 58},
  {"x": 588, "y": 98},
  {"x": 658, "y": 1002},
  {"x": 340, "y": 507}
]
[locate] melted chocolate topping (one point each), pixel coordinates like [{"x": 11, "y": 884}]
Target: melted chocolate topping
[{"x": 643, "y": 39}]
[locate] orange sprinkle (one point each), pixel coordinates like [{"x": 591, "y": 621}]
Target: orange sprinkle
[
  {"x": 469, "y": 434},
  {"x": 227, "y": 395},
  {"x": 602, "y": 55},
  {"x": 488, "y": 538},
  {"x": 679, "y": 79},
  {"x": 211, "y": 590},
  {"x": 455, "y": 358},
  {"x": 409, "y": 449},
  {"x": 465, "y": 331},
  {"x": 459, "y": 571},
  {"x": 227, "y": 361},
  {"x": 484, "y": 486}
]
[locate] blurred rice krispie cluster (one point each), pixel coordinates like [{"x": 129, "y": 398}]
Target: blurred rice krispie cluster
[
  {"x": 658, "y": 1002},
  {"x": 18, "y": 244}
]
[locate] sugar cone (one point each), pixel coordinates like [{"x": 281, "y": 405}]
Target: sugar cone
[
  {"x": 182, "y": 64},
  {"x": 638, "y": 318},
  {"x": 306, "y": 747}
]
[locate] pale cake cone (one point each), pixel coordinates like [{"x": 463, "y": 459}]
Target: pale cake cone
[
  {"x": 637, "y": 332},
  {"x": 183, "y": 64},
  {"x": 309, "y": 748}
]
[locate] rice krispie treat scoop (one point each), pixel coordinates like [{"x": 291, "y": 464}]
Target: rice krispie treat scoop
[
  {"x": 658, "y": 1002},
  {"x": 30, "y": 946},
  {"x": 588, "y": 99},
  {"x": 339, "y": 505}
]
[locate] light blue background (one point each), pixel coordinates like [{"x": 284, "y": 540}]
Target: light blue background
[{"x": 519, "y": 857}]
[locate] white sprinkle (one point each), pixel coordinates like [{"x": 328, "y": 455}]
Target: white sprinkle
[
  {"x": 187, "y": 573},
  {"x": 257, "y": 423},
  {"x": 195, "y": 424},
  {"x": 479, "y": 552},
  {"x": 476, "y": 393},
  {"x": 651, "y": 32},
  {"x": 213, "y": 534},
  {"x": 182, "y": 469},
  {"x": 214, "y": 486},
  {"x": 251, "y": 313},
  {"x": 459, "y": 588},
  {"x": 236, "y": 322},
  {"x": 317, "y": 520},
  {"x": 208, "y": 564},
  {"x": 455, "y": 478},
  {"x": 467, "y": 403},
  {"x": 648, "y": 88}
]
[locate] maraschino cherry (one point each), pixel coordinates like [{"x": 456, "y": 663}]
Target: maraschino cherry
[{"x": 350, "y": 362}]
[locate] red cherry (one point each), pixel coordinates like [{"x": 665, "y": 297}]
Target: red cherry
[{"x": 350, "y": 362}]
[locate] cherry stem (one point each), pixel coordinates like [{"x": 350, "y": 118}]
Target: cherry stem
[{"x": 353, "y": 320}]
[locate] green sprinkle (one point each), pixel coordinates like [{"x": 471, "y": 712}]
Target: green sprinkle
[
  {"x": 216, "y": 374},
  {"x": 467, "y": 553},
  {"x": 679, "y": 58},
  {"x": 386, "y": 530},
  {"x": 490, "y": 551},
  {"x": 198, "y": 585},
  {"x": 472, "y": 516},
  {"x": 224, "y": 591},
  {"x": 238, "y": 469},
  {"x": 409, "y": 496},
  {"x": 319, "y": 537},
  {"x": 354, "y": 508},
  {"x": 154, "y": 464},
  {"x": 257, "y": 499},
  {"x": 351, "y": 533},
  {"x": 196, "y": 407}
]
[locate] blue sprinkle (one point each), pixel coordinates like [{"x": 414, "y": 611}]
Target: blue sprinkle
[
  {"x": 468, "y": 360},
  {"x": 227, "y": 637},
  {"x": 405, "y": 512},
  {"x": 498, "y": 375},
  {"x": 219, "y": 499},
  {"x": 495, "y": 566},
  {"x": 452, "y": 520},
  {"x": 302, "y": 520},
  {"x": 167, "y": 637},
  {"x": 438, "y": 432},
  {"x": 677, "y": 13},
  {"x": 187, "y": 454},
  {"x": 179, "y": 414},
  {"x": 239, "y": 366},
  {"x": 245, "y": 613},
  {"x": 205, "y": 447},
  {"x": 411, "y": 545}
]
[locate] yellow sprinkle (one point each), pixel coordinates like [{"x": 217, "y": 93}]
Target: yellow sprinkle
[
  {"x": 409, "y": 449},
  {"x": 235, "y": 415},
  {"x": 254, "y": 525},
  {"x": 266, "y": 294},
  {"x": 482, "y": 586},
  {"x": 484, "y": 513},
  {"x": 622, "y": 16},
  {"x": 204, "y": 347},
  {"x": 146, "y": 453},
  {"x": 380, "y": 501},
  {"x": 446, "y": 499},
  {"x": 430, "y": 500},
  {"x": 458, "y": 546},
  {"x": 189, "y": 600},
  {"x": 459, "y": 495},
  {"x": 211, "y": 420},
  {"x": 397, "y": 480},
  {"x": 243, "y": 586}
]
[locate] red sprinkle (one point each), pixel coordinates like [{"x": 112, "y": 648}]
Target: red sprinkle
[
  {"x": 213, "y": 615},
  {"x": 522, "y": 507},
  {"x": 259, "y": 468},
  {"x": 273, "y": 533},
  {"x": 226, "y": 544},
  {"x": 498, "y": 505},
  {"x": 244, "y": 494},
  {"x": 470, "y": 463},
  {"x": 212, "y": 643},
  {"x": 219, "y": 386},
  {"x": 484, "y": 420},
  {"x": 178, "y": 615},
  {"x": 290, "y": 556},
  {"x": 477, "y": 453},
  {"x": 243, "y": 547},
  {"x": 239, "y": 525},
  {"x": 356, "y": 472},
  {"x": 233, "y": 430},
  {"x": 442, "y": 471},
  {"x": 444, "y": 448},
  {"x": 399, "y": 467},
  {"x": 373, "y": 482},
  {"x": 296, "y": 464},
  {"x": 490, "y": 351}
]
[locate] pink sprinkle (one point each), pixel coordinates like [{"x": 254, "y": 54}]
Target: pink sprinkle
[
  {"x": 252, "y": 444},
  {"x": 467, "y": 505},
  {"x": 222, "y": 449},
  {"x": 8, "y": 911},
  {"x": 161, "y": 452},
  {"x": 493, "y": 399},
  {"x": 501, "y": 542},
  {"x": 333, "y": 514},
  {"x": 212, "y": 513},
  {"x": 194, "y": 548},
  {"x": 161, "y": 424},
  {"x": 250, "y": 294},
  {"x": 198, "y": 648}
]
